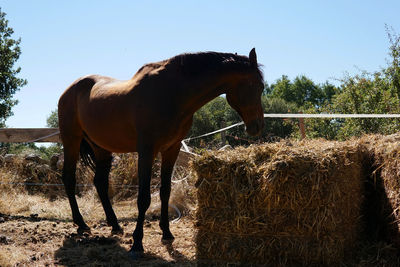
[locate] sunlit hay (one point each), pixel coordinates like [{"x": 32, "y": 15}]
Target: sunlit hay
[
  {"x": 183, "y": 197},
  {"x": 124, "y": 176},
  {"x": 34, "y": 178},
  {"x": 278, "y": 204},
  {"x": 183, "y": 193},
  {"x": 384, "y": 153}
]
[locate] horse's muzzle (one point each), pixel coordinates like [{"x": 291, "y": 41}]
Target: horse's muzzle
[{"x": 255, "y": 127}]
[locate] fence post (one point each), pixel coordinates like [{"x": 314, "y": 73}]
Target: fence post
[{"x": 302, "y": 128}]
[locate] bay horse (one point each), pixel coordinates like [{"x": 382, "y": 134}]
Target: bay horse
[{"x": 150, "y": 113}]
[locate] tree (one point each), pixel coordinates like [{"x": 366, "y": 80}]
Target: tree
[
  {"x": 393, "y": 70},
  {"x": 52, "y": 122},
  {"x": 370, "y": 94},
  {"x": 302, "y": 91},
  {"x": 52, "y": 119},
  {"x": 377, "y": 92},
  {"x": 9, "y": 82}
]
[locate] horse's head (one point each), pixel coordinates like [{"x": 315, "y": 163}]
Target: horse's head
[{"x": 245, "y": 97}]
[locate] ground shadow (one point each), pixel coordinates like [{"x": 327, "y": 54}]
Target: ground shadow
[
  {"x": 175, "y": 254},
  {"x": 88, "y": 250},
  {"x": 378, "y": 212},
  {"x": 107, "y": 251},
  {"x": 30, "y": 218}
]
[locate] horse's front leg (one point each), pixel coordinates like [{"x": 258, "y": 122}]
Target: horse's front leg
[
  {"x": 145, "y": 163},
  {"x": 168, "y": 161}
]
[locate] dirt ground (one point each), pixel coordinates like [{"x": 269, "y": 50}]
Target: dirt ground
[
  {"x": 35, "y": 241},
  {"x": 39, "y": 241},
  {"x": 36, "y": 227}
]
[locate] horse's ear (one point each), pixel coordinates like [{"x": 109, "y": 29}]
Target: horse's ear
[{"x": 253, "y": 58}]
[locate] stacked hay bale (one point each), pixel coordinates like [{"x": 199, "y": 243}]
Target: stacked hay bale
[
  {"x": 30, "y": 173},
  {"x": 278, "y": 204}
]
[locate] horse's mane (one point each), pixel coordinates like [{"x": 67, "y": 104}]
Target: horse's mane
[{"x": 193, "y": 63}]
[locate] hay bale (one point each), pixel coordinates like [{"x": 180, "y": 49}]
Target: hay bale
[{"x": 278, "y": 204}]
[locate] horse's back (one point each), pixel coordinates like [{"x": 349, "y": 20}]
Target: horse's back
[
  {"x": 98, "y": 107},
  {"x": 116, "y": 114},
  {"x": 82, "y": 84}
]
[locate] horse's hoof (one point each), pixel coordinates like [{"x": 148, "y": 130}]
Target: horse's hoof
[
  {"x": 83, "y": 230},
  {"x": 167, "y": 239},
  {"x": 117, "y": 231},
  {"x": 136, "y": 255}
]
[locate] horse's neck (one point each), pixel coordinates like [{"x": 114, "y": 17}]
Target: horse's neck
[{"x": 203, "y": 92}]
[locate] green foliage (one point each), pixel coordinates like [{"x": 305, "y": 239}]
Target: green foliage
[
  {"x": 392, "y": 72},
  {"x": 276, "y": 127},
  {"x": 30, "y": 148},
  {"x": 52, "y": 122},
  {"x": 52, "y": 119},
  {"x": 367, "y": 94},
  {"x": 302, "y": 91},
  {"x": 9, "y": 82},
  {"x": 210, "y": 117},
  {"x": 18, "y": 148},
  {"x": 322, "y": 128},
  {"x": 48, "y": 152},
  {"x": 308, "y": 97}
]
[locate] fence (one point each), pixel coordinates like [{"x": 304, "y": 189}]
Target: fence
[
  {"x": 301, "y": 118},
  {"x": 30, "y": 135}
]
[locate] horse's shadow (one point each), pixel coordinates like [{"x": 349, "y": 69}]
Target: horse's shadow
[
  {"x": 107, "y": 251},
  {"x": 175, "y": 254}
]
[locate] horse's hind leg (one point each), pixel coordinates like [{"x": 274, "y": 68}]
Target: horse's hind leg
[
  {"x": 71, "y": 155},
  {"x": 103, "y": 166}
]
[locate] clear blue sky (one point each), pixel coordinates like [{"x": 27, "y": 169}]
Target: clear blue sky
[{"x": 63, "y": 40}]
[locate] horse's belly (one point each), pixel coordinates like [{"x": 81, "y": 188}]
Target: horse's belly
[
  {"x": 116, "y": 143},
  {"x": 111, "y": 136}
]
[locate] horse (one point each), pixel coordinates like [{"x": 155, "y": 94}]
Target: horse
[{"x": 150, "y": 113}]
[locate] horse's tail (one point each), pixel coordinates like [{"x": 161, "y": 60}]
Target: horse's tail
[{"x": 87, "y": 154}]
